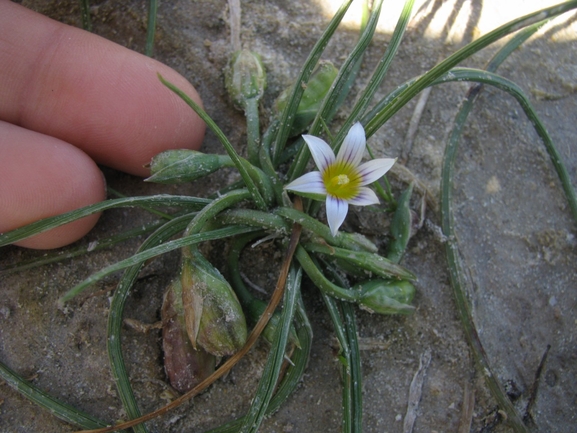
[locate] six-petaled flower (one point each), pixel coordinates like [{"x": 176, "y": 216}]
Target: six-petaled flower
[{"x": 341, "y": 180}]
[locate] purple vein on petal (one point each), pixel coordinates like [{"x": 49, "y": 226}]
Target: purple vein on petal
[
  {"x": 336, "y": 212},
  {"x": 322, "y": 153}
]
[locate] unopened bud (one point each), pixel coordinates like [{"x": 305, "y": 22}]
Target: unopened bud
[
  {"x": 182, "y": 165},
  {"x": 185, "y": 366},
  {"x": 214, "y": 318},
  {"x": 401, "y": 227},
  {"x": 386, "y": 297},
  {"x": 315, "y": 91},
  {"x": 245, "y": 77}
]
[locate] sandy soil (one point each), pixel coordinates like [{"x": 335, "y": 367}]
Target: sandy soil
[{"x": 513, "y": 224}]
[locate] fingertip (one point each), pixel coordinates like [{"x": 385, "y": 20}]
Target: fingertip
[
  {"x": 41, "y": 176},
  {"x": 90, "y": 92}
]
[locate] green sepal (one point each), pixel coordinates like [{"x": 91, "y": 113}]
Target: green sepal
[
  {"x": 245, "y": 78},
  {"x": 214, "y": 318},
  {"x": 386, "y": 297}
]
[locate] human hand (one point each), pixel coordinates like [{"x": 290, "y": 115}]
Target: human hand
[{"x": 68, "y": 100}]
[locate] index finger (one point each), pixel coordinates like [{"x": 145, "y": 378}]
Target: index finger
[{"x": 103, "y": 98}]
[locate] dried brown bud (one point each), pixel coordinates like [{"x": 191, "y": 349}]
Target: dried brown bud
[{"x": 185, "y": 366}]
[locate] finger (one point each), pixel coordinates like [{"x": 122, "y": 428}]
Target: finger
[
  {"x": 103, "y": 98},
  {"x": 42, "y": 176}
]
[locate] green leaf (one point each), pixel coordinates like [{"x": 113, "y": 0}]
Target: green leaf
[
  {"x": 153, "y": 252},
  {"x": 56, "y": 221}
]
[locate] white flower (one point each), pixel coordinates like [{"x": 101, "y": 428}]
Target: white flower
[{"x": 341, "y": 179}]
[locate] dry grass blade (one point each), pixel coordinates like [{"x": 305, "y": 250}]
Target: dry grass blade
[
  {"x": 415, "y": 391},
  {"x": 467, "y": 410}
]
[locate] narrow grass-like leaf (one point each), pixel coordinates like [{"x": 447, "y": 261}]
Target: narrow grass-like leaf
[
  {"x": 61, "y": 410},
  {"x": 214, "y": 208},
  {"x": 85, "y": 11},
  {"x": 356, "y": 376},
  {"x": 121, "y": 293},
  {"x": 368, "y": 8},
  {"x": 349, "y": 356},
  {"x": 344, "y": 359},
  {"x": 457, "y": 274},
  {"x": 293, "y": 100},
  {"x": 486, "y": 77},
  {"x": 343, "y": 317},
  {"x": 350, "y": 241},
  {"x": 56, "y": 221},
  {"x": 239, "y": 162},
  {"x": 437, "y": 71},
  {"x": 338, "y": 90},
  {"x": 252, "y": 130},
  {"x": 374, "y": 263},
  {"x": 266, "y": 161},
  {"x": 58, "y": 256},
  {"x": 293, "y": 374},
  {"x": 270, "y": 376},
  {"x": 151, "y": 27},
  {"x": 311, "y": 268},
  {"x": 145, "y": 207},
  {"x": 254, "y": 218},
  {"x": 300, "y": 359},
  {"x": 344, "y": 322},
  {"x": 348, "y": 71},
  {"x": 153, "y": 252},
  {"x": 456, "y": 271},
  {"x": 377, "y": 78}
]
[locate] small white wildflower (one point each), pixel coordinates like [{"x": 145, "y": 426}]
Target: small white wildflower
[{"x": 341, "y": 180}]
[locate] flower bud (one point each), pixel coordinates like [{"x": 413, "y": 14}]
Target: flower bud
[
  {"x": 245, "y": 77},
  {"x": 316, "y": 89},
  {"x": 213, "y": 315},
  {"x": 183, "y": 165},
  {"x": 185, "y": 366},
  {"x": 401, "y": 227},
  {"x": 386, "y": 297}
]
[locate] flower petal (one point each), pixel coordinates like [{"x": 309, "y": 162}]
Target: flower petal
[
  {"x": 308, "y": 183},
  {"x": 336, "y": 212},
  {"x": 365, "y": 197},
  {"x": 321, "y": 151},
  {"x": 353, "y": 147},
  {"x": 375, "y": 169}
]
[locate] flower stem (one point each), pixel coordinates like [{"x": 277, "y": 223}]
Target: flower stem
[
  {"x": 318, "y": 278},
  {"x": 252, "y": 130}
]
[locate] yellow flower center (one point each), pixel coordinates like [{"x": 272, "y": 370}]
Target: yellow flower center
[{"x": 342, "y": 181}]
